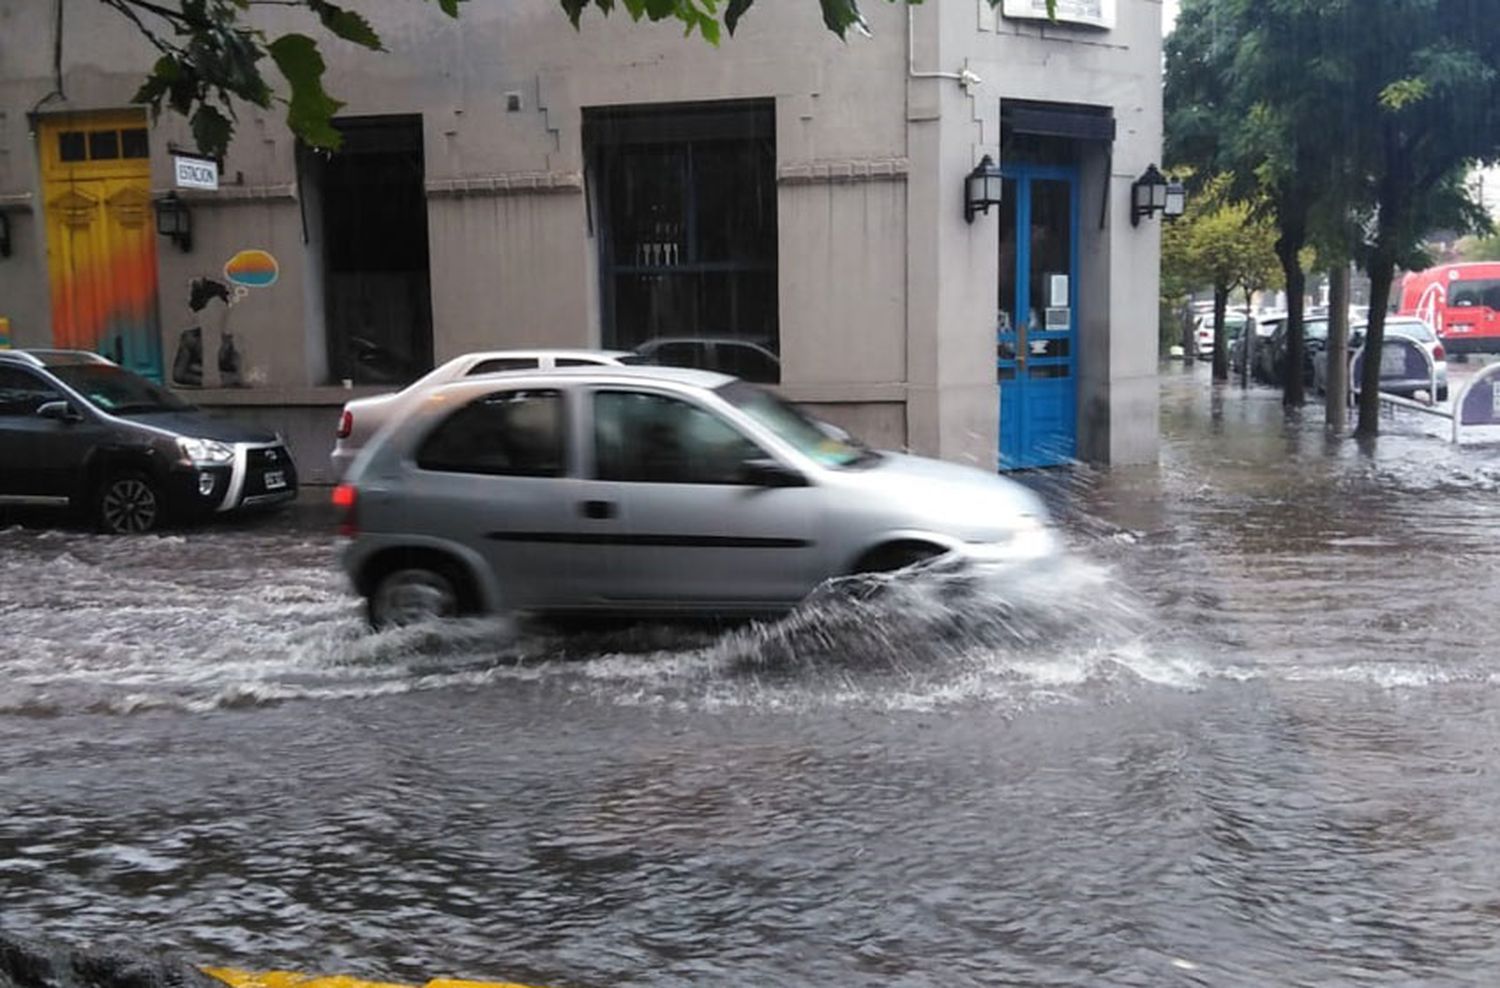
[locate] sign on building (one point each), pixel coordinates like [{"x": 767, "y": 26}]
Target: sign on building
[
  {"x": 1093, "y": 13},
  {"x": 195, "y": 173}
]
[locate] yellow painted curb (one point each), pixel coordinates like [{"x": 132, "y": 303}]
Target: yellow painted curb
[{"x": 291, "y": 979}]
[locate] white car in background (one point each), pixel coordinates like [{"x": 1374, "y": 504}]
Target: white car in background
[{"x": 362, "y": 418}]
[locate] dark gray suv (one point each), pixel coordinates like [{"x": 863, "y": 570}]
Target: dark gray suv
[{"x": 77, "y": 430}]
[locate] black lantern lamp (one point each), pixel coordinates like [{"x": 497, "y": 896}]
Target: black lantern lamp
[
  {"x": 1176, "y": 203},
  {"x": 4, "y": 234},
  {"x": 1154, "y": 193},
  {"x": 175, "y": 221},
  {"x": 1148, "y": 196},
  {"x": 982, "y": 188}
]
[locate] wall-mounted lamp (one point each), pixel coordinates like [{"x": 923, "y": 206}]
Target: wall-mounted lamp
[
  {"x": 4, "y": 234},
  {"x": 982, "y": 188},
  {"x": 1154, "y": 193},
  {"x": 175, "y": 221}
]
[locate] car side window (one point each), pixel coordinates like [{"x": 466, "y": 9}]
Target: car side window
[
  {"x": 509, "y": 433},
  {"x": 495, "y": 365},
  {"x": 22, "y": 393},
  {"x": 747, "y": 363},
  {"x": 680, "y": 355},
  {"x": 654, "y": 439},
  {"x": 575, "y": 362}
]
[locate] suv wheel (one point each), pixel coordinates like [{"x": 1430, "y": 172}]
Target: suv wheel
[
  {"x": 129, "y": 505},
  {"x": 407, "y": 596}
]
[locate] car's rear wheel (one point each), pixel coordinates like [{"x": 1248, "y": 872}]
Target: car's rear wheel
[
  {"x": 129, "y": 504},
  {"x": 411, "y": 595}
]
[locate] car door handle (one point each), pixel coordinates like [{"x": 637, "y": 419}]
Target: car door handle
[{"x": 598, "y": 510}]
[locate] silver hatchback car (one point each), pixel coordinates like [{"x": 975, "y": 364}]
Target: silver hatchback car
[{"x": 647, "y": 491}]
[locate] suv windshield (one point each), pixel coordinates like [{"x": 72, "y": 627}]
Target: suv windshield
[
  {"x": 794, "y": 427},
  {"x": 116, "y": 390}
]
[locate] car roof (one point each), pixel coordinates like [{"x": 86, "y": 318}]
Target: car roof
[
  {"x": 551, "y": 351},
  {"x": 54, "y": 358},
  {"x": 604, "y": 374},
  {"x": 757, "y": 342}
]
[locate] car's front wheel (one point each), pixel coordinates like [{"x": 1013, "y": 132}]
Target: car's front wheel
[
  {"x": 412, "y": 595},
  {"x": 129, "y": 504}
]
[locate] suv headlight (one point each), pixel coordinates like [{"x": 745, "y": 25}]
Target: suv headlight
[{"x": 206, "y": 451}]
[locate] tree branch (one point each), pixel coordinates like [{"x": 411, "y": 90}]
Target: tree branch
[
  {"x": 123, "y": 6},
  {"x": 174, "y": 17}
]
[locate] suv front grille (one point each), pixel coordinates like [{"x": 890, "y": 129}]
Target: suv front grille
[{"x": 262, "y": 465}]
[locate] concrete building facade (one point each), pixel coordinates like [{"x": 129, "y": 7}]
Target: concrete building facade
[{"x": 508, "y": 181}]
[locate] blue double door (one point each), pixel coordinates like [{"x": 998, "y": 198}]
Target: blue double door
[{"x": 1035, "y": 353}]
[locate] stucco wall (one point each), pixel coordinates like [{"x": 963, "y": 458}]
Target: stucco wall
[{"x": 886, "y": 295}]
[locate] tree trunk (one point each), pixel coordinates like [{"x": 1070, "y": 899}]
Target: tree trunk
[
  {"x": 1288, "y": 250},
  {"x": 1337, "y": 398},
  {"x": 1221, "y": 346},
  {"x": 1382, "y": 272}
]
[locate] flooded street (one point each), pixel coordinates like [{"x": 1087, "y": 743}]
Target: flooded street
[{"x": 1246, "y": 734}]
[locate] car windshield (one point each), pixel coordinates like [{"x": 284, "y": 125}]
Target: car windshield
[
  {"x": 116, "y": 390},
  {"x": 793, "y": 426}
]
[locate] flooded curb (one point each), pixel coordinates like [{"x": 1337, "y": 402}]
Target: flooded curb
[
  {"x": 291, "y": 979},
  {"x": 29, "y": 963}
]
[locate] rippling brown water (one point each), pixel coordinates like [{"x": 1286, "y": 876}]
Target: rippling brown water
[{"x": 1245, "y": 735}]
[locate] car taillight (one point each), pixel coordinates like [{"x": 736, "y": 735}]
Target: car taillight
[
  {"x": 346, "y": 424},
  {"x": 1437, "y": 352},
  {"x": 345, "y": 498}
]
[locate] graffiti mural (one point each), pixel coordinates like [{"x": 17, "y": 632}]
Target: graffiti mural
[{"x": 245, "y": 271}]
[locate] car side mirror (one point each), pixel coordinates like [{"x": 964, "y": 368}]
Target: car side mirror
[
  {"x": 766, "y": 472},
  {"x": 834, "y": 432},
  {"x": 59, "y": 411}
]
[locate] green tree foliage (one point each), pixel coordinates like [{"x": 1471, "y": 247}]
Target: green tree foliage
[
  {"x": 1253, "y": 89},
  {"x": 1427, "y": 76},
  {"x": 210, "y": 53},
  {"x": 1354, "y": 121},
  {"x": 1220, "y": 244}
]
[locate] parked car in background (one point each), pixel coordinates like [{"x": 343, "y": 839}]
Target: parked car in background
[
  {"x": 1271, "y": 366},
  {"x": 1408, "y": 327},
  {"x": 1203, "y": 330},
  {"x": 77, "y": 430},
  {"x": 750, "y": 360},
  {"x": 1203, "y": 334},
  {"x": 363, "y": 417},
  {"x": 1264, "y": 325},
  {"x": 647, "y": 491}
]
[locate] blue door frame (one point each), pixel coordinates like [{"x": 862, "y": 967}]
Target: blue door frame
[{"x": 1036, "y": 358}]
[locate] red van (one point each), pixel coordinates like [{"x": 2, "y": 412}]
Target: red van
[{"x": 1460, "y": 301}]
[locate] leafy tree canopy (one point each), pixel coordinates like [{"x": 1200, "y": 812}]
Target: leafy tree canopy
[{"x": 210, "y": 53}]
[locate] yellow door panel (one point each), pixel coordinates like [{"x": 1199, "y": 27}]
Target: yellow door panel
[{"x": 101, "y": 239}]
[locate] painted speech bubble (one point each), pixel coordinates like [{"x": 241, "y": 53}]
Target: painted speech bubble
[{"x": 252, "y": 268}]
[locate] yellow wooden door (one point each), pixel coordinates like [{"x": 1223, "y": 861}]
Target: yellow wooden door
[{"x": 101, "y": 238}]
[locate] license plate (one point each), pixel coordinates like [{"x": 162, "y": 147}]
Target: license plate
[{"x": 275, "y": 480}]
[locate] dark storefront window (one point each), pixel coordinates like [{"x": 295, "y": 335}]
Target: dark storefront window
[
  {"x": 686, "y": 220},
  {"x": 377, "y": 283}
]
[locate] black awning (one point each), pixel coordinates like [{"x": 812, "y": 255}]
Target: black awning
[{"x": 1084, "y": 123}]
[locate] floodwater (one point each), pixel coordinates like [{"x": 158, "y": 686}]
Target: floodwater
[{"x": 1246, "y": 734}]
